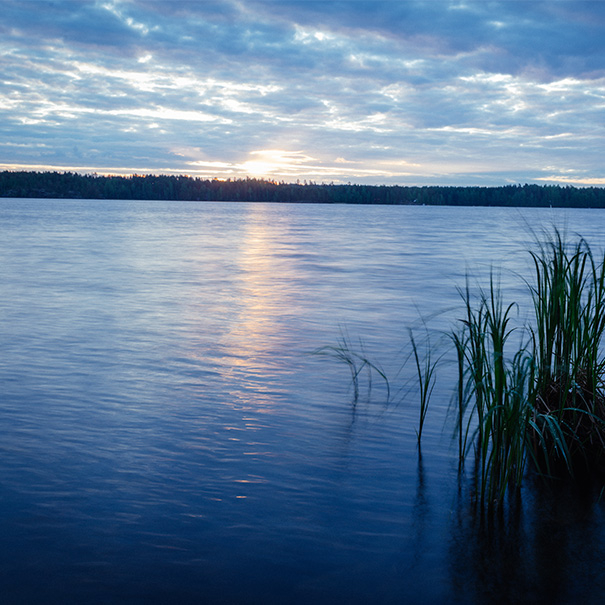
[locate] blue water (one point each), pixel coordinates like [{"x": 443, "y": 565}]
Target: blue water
[{"x": 168, "y": 435}]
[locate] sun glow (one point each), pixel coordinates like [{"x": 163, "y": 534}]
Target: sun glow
[
  {"x": 269, "y": 161},
  {"x": 260, "y": 168}
]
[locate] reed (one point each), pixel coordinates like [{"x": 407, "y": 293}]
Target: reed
[
  {"x": 528, "y": 394},
  {"x": 496, "y": 387},
  {"x": 426, "y": 367},
  {"x": 569, "y": 303},
  {"x": 460, "y": 340},
  {"x": 355, "y": 358},
  {"x": 543, "y": 400}
]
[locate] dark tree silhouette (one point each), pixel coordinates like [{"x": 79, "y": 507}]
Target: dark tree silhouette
[{"x": 167, "y": 187}]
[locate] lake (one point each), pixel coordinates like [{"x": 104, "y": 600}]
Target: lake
[{"x": 167, "y": 433}]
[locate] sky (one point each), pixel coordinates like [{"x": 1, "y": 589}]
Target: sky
[{"x": 388, "y": 92}]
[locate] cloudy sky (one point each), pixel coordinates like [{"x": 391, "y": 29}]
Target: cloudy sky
[{"x": 385, "y": 92}]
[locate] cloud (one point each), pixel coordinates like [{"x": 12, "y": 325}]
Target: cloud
[{"x": 410, "y": 92}]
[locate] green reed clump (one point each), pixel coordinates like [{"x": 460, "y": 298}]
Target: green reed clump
[
  {"x": 544, "y": 400},
  {"x": 498, "y": 390},
  {"x": 526, "y": 393},
  {"x": 569, "y": 302}
]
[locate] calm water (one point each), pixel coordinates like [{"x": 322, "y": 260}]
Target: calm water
[{"x": 166, "y": 434}]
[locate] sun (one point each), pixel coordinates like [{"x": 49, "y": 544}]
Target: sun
[
  {"x": 269, "y": 161},
  {"x": 260, "y": 167}
]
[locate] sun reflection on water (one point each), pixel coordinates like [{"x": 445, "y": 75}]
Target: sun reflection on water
[{"x": 262, "y": 297}]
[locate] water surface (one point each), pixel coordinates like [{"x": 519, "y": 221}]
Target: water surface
[{"x": 166, "y": 433}]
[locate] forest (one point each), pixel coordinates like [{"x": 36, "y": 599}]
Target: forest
[{"x": 30, "y": 184}]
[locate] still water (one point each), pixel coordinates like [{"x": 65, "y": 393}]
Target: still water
[{"x": 168, "y": 435}]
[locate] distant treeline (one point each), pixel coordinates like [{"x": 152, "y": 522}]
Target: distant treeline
[{"x": 185, "y": 188}]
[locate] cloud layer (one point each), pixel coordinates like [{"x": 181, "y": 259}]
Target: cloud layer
[{"x": 369, "y": 92}]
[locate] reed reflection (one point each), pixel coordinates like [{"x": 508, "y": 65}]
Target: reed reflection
[
  {"x": 421, "y": 511},
  {"x": 544, "y": 549}
]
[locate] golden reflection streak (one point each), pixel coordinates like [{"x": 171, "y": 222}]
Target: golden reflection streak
[
  {"x": 261, "y": 299},
  {"x": 246, "y": 316}
]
